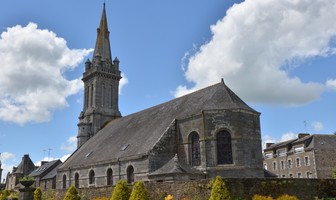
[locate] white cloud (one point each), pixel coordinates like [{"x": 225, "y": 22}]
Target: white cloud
[
  {"x": 317, "y": 126},
  {"x": 331, "y": 84},
  {"x": 258, "y": 42},
  {"x": 63, "y": 158},
  {"x": 122, "y": 82},
  {"x": 288, "y": 136},
  {"x": 71, "y": 144},
  {"x": 32, "y": 81},
  {"x": 6, "y": 156}
]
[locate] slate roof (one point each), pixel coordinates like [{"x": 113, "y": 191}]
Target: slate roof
[
  {"x": 52, "y": 173},
  {"x": 140, "y": 131},
  {"x": 314, "y": 141},
  {"x": 45, "y": 168}
]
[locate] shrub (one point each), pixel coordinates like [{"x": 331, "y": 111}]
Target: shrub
[
  {"x": 38, "y": 194},
  {"x": 169, "y": 197},
  {"x": 72, "y": 194},
  {"x": 287, "y": 197},
  {"x": 219, "y": 190},
  {"x": 121, "y": 191},
  {"x": 139, "y": 192},
  {"x": 260, "y": 197},
  {"x": 101, "y": 198},
  {"x": 333, "y": 175}
]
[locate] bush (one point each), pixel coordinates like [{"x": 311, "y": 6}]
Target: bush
[
  {"x": 38, "y": 194},
  {"x": 260, "y": 197},
  {"x": 121, "y": 191},
  {"x": 139, "y": 192},
  {"x": 101, "y": 198},
  {"x": 169, "y": 197},
  {"x": 219, "y": 190},
  {"x": 287, "y": 197},
  {"x": 72, "y": 194}
]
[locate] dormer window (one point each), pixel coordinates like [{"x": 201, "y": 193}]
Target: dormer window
[{"x": 298, "y": 149}]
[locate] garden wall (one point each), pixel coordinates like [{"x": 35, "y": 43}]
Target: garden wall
[{"x": 243, "y": 188}]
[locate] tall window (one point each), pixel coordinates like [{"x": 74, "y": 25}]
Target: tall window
[
  {"x": 282, "y": 165},
  {"x": 130, "y": 174},
  {"x": 195, "y": 149},
  {"x": 297, "y": 162},
  {"x": 77, "y": 180},
  {"x": 91, "y": 177},
  {"x": 224, "y": 148},
  {"x": 306, "y": 161},
  {"x": 274, "y": 166},
  {"x": 289, "y": 164},
  {"x": 64, "y": 181},
  {"x": 109, "y": 177}
]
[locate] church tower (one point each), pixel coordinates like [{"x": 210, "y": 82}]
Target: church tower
[{"x": 101, "y": 87}]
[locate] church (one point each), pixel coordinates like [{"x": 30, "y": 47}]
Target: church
[{"x": 200, "y": 135}]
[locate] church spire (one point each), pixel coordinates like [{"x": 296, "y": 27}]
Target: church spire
[
  {"x": 102, "y": 47},
  {"x": 101, "y": 87}
]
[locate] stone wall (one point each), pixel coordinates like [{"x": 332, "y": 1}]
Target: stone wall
[{"x": 243, "y": 188}]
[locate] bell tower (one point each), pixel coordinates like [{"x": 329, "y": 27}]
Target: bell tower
[{"x": 101, "y": 87}]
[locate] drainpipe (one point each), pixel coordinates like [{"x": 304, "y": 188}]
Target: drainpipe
[{"x": 119, "y": 168}]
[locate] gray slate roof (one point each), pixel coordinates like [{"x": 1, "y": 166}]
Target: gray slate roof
[
  {"x": 43, "y": 169},
  {"x": 142, "y": 130}
]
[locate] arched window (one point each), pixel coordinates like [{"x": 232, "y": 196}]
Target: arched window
[
  {"x": 195, "y": 149},
  {"x": 91, "y": 177},
  {"x": 64, "y": 181},
  {"x": 224, "y": 148},
  {"x": 130, "y": 174},
  {"x": 109, "y": 177},
  {"x": 77, "y": 180}
]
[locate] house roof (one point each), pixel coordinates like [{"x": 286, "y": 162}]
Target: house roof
[
  {"x": 26, "y": 166},
  {"x": 45, "y": 168},
  {"x": 136, "y": 134},
  {"x": 53, "y": 172}
]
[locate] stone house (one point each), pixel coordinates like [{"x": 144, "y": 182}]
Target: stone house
[
  {"x": 200, "y": 135},
  {"x": 45, "y": 175},
  {"x": 23, "y": 169},
  {"x": 308, "y": 156}
]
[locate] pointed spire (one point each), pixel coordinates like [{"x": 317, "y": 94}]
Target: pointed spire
[{"x": 102, "y": 47}]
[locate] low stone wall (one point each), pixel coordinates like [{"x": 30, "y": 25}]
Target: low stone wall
[{"x": 243, "y": 188}]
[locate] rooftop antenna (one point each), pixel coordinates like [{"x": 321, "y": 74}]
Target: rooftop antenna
[
  {"x": 305, "y": 125},
  {"x": 49, "y": 149}
]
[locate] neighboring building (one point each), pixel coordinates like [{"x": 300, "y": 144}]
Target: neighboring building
[
  {"x": 45, "y": 176},
  {"x": 23, "y": 169},
  {"x": 308, "y": 156},
  {"x": 200, "y": 135}
]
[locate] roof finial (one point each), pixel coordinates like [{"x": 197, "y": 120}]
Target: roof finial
[{"x": 222, "y": 80}]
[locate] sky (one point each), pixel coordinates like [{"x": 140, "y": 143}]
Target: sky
[{"x": 278, "y": 56}]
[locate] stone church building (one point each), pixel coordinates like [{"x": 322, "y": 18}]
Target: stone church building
[{"x": 200, "y": 135}]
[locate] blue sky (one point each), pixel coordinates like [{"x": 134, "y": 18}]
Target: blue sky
[{"x": 278, "y": 56}]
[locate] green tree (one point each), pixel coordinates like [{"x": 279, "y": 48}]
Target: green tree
[
  {"x": 38, "y": 194},
  {"x": 139, "y": 192},
  {"x": 72, "y": 194},
  {"x": 219, "y": 190},
  {"x": 121, "y": 191}
]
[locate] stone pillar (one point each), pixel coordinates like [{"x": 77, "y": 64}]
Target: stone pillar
[{"x": 27, "y": 193}]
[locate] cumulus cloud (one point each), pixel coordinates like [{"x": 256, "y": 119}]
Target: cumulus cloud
[
  {"x": 331, "y": 84},
  {"x": 32, "y": 81},
  {"x": 317, "y": 126},
  {"x": 71, "y": 144},
  {"x": 6, "y": 156},
  {"x": 122, "y": 82},
  {"x": 288, "y": 136},
  {"x": 255, "y": 46},
  {"x": 267, "y": 139}
]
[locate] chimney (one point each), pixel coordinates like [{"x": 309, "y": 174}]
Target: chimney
[
  {"x": 269, "y": 144},
  {"x": 302, "y": 135}
]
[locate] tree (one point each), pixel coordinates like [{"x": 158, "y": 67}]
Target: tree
[
  {"x": 72, "y": 194},
  {"x": 38, "y": 194},
  {"x": 139, "y": 192},
  {"x": 121, "y": 191},
  {"x": 219, "y": 190}
]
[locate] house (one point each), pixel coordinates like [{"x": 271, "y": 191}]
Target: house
[
  {"x": 200, "y": 135},
  {"x": 308, "y": 156},
  {"x": 23, "y": 169},
  {"x": 45, "y": 175}
]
